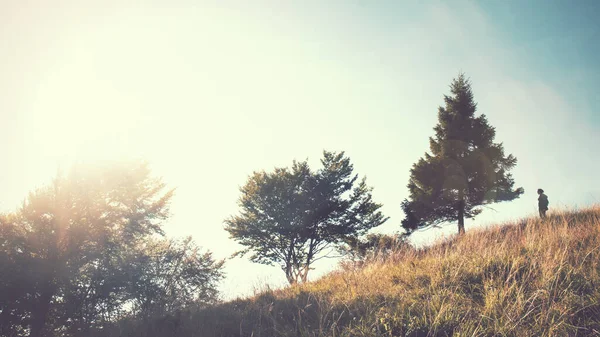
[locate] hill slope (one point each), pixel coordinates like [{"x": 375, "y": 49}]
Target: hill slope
[{"x": 528, "y": 278}]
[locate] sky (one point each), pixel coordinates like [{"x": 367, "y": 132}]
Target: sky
[{"x": 208, "y": 92}]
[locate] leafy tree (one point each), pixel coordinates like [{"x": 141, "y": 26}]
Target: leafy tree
[
  {"x": 292, "y": 216},
  {"x": 77, "y": 232},
  {"x": 169, "y": 275},
  {"x": 70, "y": 248},
  {"x": 465, "y": 169}
]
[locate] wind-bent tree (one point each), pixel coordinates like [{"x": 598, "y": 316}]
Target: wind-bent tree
[
  {"x": 294, "y": 216},
  {"x": 464, "y": 170}
]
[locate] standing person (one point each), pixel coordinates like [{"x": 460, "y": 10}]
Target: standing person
[{"x": 542, "y": 203}]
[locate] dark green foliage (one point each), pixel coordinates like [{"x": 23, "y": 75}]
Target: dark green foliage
[
  {"x": 465, "y": 168},
  {"x": 88, "y": 249},
  {"x": 291, "y": 216}
]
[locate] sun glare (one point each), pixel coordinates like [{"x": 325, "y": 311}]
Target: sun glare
[{"x": 78, "y": 118}]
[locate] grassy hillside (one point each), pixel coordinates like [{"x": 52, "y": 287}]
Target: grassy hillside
[{"x": 528, "y": 278}]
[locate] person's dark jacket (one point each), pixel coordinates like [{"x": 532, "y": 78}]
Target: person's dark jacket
[{"x": 543, "y": 202}]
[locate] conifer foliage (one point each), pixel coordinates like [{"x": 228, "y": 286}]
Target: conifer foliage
[{"x": 465, "y": 168}]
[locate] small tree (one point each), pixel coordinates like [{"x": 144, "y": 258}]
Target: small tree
[
  {"x": 291, "y": 216},
  {"x": 465, "y": 169}
]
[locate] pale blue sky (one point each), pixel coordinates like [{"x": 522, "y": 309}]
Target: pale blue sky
[{"x": 208, "y": 93}]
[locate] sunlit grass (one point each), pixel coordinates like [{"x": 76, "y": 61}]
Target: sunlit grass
[{"x": 525, "y": 278}]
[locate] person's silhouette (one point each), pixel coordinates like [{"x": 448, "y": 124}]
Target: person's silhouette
[{"x": 542, "y": 202}]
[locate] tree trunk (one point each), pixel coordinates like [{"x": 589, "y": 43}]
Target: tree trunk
[
  {"x": 304, "y": 274},
  {"x": 289, "y": 262},
  {"x": 40, "y": 314},
  {"x": 309, "y": 256},
  {"x": 461, "y": 217},
  {"x": 289, "y": 274}
]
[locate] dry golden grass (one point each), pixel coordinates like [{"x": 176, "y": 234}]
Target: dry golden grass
[{"x": 527, "y": 278}]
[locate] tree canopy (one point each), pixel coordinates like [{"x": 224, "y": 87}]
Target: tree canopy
[
  {"x": 89, "y": 248},
  {"x": 465, "y": 169},
  {"x": 295, "y": 216}
]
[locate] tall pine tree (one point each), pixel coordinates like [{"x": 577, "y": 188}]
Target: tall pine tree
[{"x": 465, "y": 169}]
